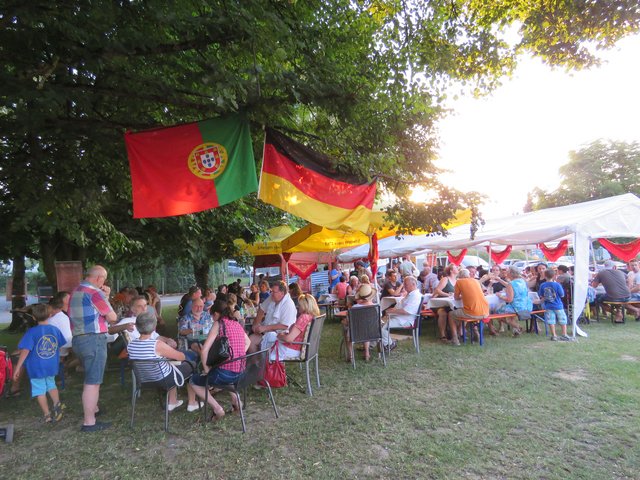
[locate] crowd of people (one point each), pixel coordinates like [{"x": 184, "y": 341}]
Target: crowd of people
[
  {"x": 276, "y": 316},
  {"x": 89, "y": 323}
]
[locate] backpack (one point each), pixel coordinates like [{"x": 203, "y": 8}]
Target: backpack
[
  {"x": 549, "y": 294},
  {"x": 6, "y": 370}
]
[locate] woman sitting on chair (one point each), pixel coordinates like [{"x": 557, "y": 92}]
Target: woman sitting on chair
[
  {"x": 363, "y": 297},
  {"x": 445, "y": 288},
  {"x": 307, "y": 311},
  {"x": 149, "y": 347},
  {"x": 230, "y": 372}
]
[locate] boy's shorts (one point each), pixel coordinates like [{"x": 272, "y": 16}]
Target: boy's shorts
[
  {"x": 40, "y": 386},
  {"x": 550, "y": 317}
]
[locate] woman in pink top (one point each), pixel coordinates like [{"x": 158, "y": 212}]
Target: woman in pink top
[
  {"x": 307, "y": 311},
  {"x": 229, "y": 372}
]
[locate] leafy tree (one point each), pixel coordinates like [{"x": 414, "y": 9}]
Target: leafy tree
[
  {"x": 599, "y": 170},
  {"x": 365, "y": 79}
]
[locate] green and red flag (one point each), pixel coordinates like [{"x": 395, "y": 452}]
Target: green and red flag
[
  {"x": 192, "y": 167},
  {"x": 301, "y": 181}
]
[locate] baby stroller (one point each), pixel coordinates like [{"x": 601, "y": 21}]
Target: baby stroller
[{"x": 6, "y": 374}]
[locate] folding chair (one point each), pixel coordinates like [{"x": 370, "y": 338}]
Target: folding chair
[
  {"x": 309, "y": 352},
  {"x": 415, "y": 328},
  {"x": 147, "y": 374},
  {"x": 365, "y": 326}
]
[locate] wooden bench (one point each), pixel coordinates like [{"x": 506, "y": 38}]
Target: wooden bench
[
  {"x": 535, "y": 316},
  {"x": 614, "y": 306}
]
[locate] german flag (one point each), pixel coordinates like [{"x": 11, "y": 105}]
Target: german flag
[{"x": 303, "y": 182}]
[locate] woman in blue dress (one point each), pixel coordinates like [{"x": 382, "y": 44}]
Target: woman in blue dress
[{"x": 516, "y": 296}]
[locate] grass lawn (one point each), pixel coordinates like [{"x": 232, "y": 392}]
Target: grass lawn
[{"x": 516, "y": 408}]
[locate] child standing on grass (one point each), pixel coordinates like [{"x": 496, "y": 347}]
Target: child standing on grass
[
  {"x": 551, "y": 293},
  {"x": 40, "y": 352}
]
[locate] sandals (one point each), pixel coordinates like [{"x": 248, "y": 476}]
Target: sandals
[{"x": 56, "y": 413}]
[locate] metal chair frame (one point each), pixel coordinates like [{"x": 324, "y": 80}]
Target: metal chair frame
[
  {"x": 415, "y": 329},
  {"x": 139, "y": 385},
  {"x": 361, "y": 332},
  {"x": 312, "y": 343},
  {"x": 254, "y": 370}
]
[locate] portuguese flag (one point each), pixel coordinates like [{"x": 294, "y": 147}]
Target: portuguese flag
[
  {"x": 192, "y": 167},
  {"x": 303, "y": 182}
]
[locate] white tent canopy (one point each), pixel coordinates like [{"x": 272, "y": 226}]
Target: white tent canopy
[{"x": 581, "y": 223}]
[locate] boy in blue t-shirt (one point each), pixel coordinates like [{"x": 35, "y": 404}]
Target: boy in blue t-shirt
[
  {"x": 551, "y": 293},
  {"x": 40, "y": 352}
]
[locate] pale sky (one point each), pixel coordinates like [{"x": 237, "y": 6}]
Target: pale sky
[{"x": 506, "y": 144}]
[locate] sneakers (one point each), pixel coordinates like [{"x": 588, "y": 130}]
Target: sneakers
[
  {"x": 196, "y": 407},
  {"x": 553, "y": 338},
  {"x": 455, "y": 342},
  {"x": 172, "y": 407},
  {"x": 566, "y": 338},
  {"x": 96, "y": 427},
  {"x": 391, "y": 346}
]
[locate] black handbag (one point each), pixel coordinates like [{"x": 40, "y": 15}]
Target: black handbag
[{"x": 220, "y": 350}]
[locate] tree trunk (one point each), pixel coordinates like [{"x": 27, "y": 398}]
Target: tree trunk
[
  {"x": 48, "y": 257},
  {"x": 18, "y": 299},
  {"x": 201, "y": 272}
]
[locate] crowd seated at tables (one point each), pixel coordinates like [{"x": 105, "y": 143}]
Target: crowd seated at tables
[{"x": 279, "y": 315}]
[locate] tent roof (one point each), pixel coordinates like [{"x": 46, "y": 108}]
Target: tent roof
[{"x": 617, "y": 216}]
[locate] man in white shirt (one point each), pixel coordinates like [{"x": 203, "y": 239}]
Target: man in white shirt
[
  {"x": 59, "y": 304},
  {"x": 276, "y": 314},
  {"x": 404, "y": 313},
  {"x": 128, "y": 324}
]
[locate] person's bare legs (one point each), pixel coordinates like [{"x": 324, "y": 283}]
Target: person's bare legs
[
  {"x": 191, "y": 395},
  {"x": 442, "y": 322},
  {"x": 90, "y": 396},
  {"x": 44, "y": 404},
  {"x": 515, "y": 326},
  {"x": 218, "y": 411},
  {"x": 453, "y": 326},
  {"x": 254, "y": 346}
]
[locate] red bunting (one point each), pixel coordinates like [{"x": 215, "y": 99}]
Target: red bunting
[
  {"x": 552, "y": 254},
  {"x": 373, "y": 255},
  {"x": 456, "y": 260},
  {"x": 303, "y": 274},
  {"x": 499, "y": 257},
  {"x": 624, "y": 251}
]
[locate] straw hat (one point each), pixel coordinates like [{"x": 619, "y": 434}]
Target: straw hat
[{"x": 365, "y": 292}]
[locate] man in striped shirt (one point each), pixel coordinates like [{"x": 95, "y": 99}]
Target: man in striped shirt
[{"x": 90, "y": 314}]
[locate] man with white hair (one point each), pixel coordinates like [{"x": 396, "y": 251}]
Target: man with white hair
[
  {"x": 276, "y": 314},
  {"x": 404, "y": 313},
  {"x": 615, "y": 286}
]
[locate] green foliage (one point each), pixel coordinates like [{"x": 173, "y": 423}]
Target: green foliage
[
  {"x": 599, "y": 170},
  {"x": 365, "y": 79}
]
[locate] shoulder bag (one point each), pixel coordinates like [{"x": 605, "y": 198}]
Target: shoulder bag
[{"x": 220, "y": 350}]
